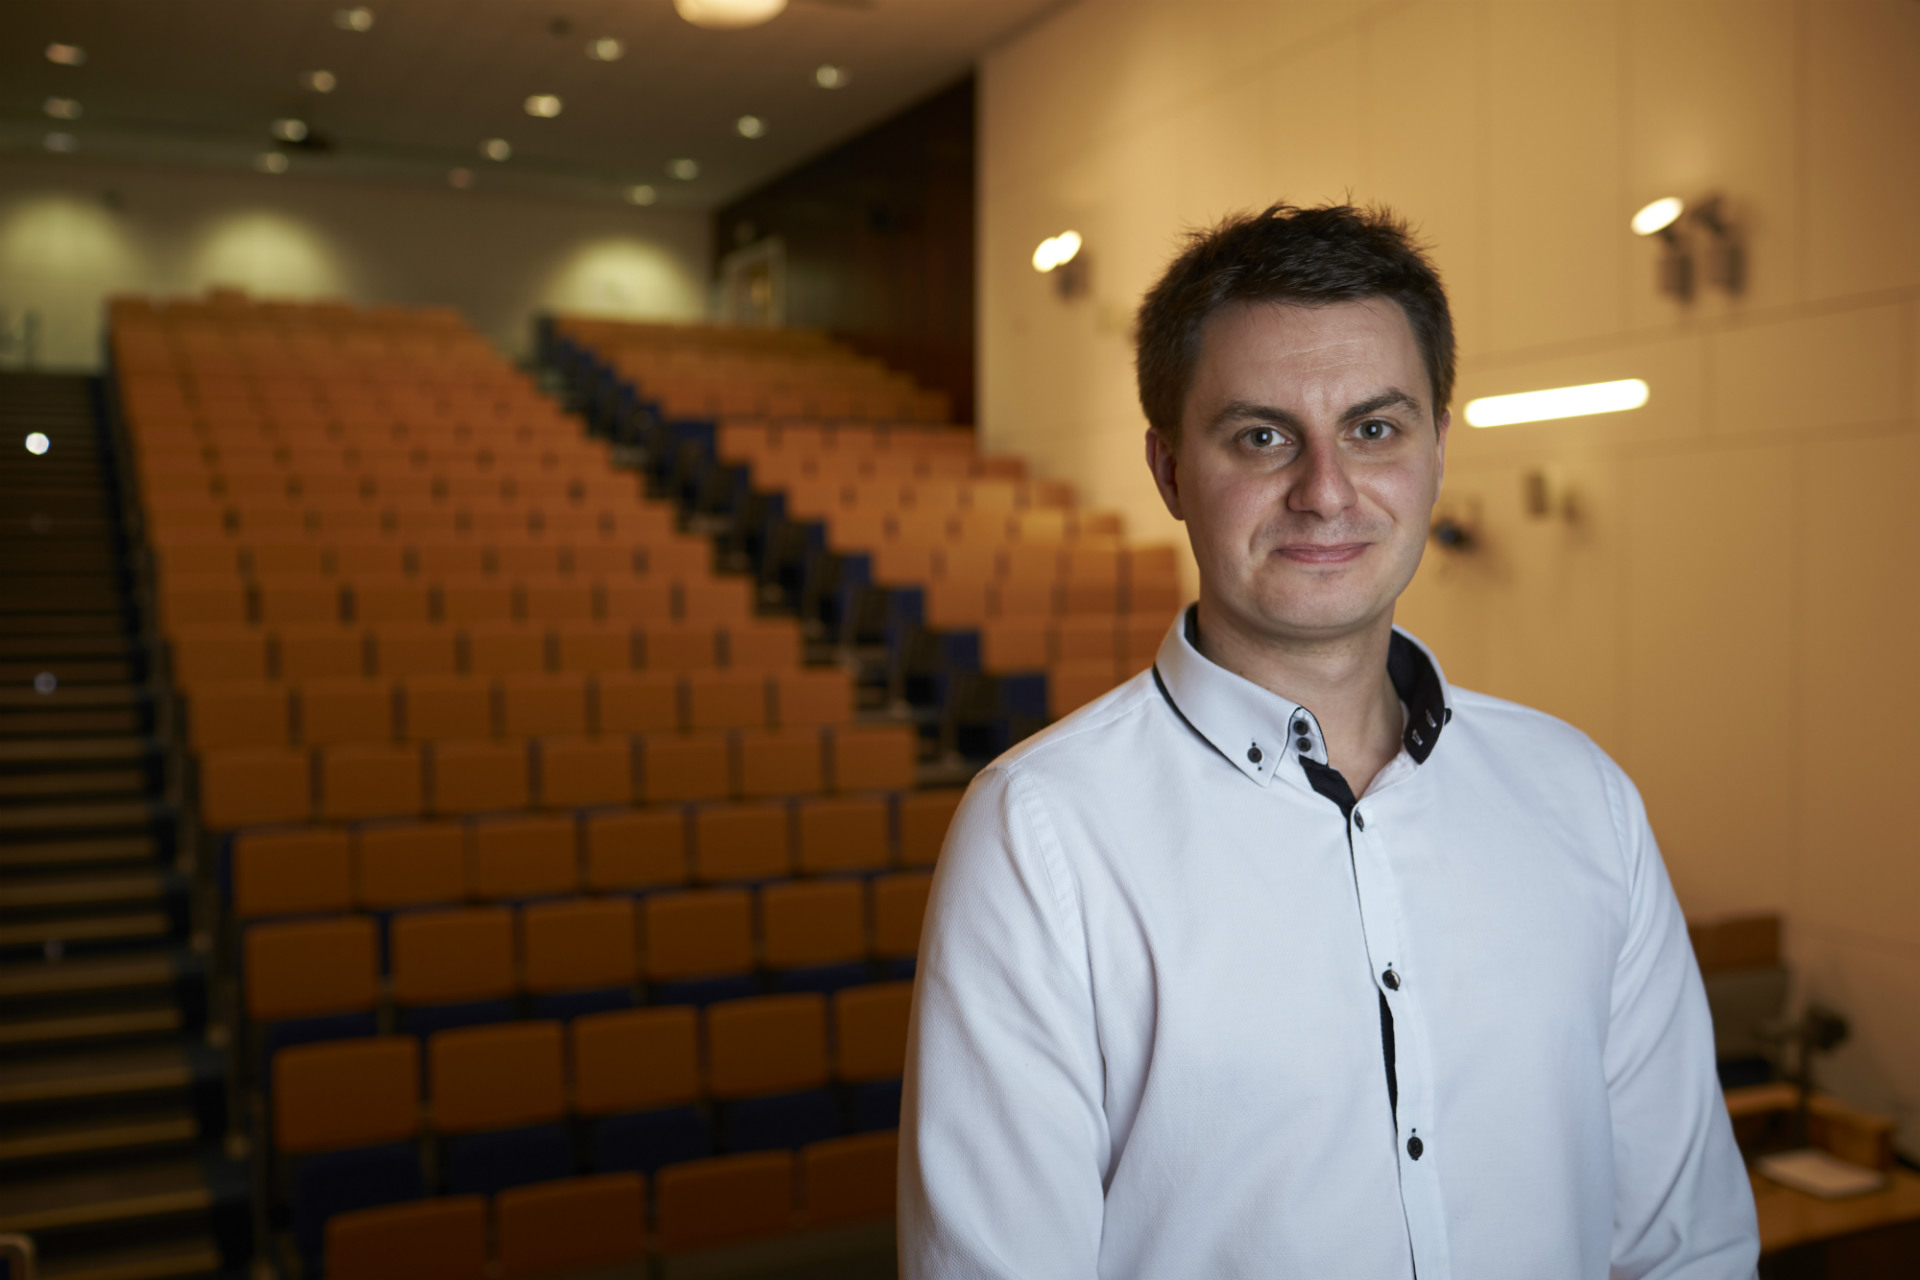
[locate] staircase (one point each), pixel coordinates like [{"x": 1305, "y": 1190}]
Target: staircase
[{"x": 112, "y": 1090}]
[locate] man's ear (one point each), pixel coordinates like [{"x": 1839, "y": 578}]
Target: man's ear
[
  {"x": 1440, "y": 426},
  {"x": 1164, "y": 462}
]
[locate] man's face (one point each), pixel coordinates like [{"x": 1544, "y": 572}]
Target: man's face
[{"x": 1308, "y": 464}]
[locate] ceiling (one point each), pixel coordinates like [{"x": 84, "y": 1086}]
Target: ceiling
[{"x": 200, "y": 82}]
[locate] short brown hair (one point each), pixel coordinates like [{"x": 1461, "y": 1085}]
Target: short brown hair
[{"x": 1307, "y": 257}]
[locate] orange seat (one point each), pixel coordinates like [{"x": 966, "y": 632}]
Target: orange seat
[
  {"x": 474, "y": 776},
  {"x": 741, "y": 842},
  {"x": 812, "y": 697},
  {"x": 549, "y": 602},
  {"x": 899, "y": 904},
  {"x": 218, "y": 652},
  {"x": 323, "y": 652},
  {"x": 572, "y": 1224},
  {"x": 637, "y": 701},
  {"x": 578, "y": 945},
  {"x": 781, "y": 762},
  {"x": 301, "y": 968},
  {"x": 249, "y": 713},
  {"x": 809, "y": 923},
  {"x": 1072, "y": 685},
  {"x": 452, "y": 558},
  {"x": 523, "y": 857},
  {"x": 722, "y": 1200},
  {"x": 505, "y": 648},
  {"x": 764, "y": 646},
  {"x": 353, "y": 709},
  {"x": 850, "y": 1179},
  {"x": 593, "y": 646},
  {"x": 874, "y": 757},
  {"x": 415, "y": 649},
  {"x": 497, "y": 1077},
  {"x": 447, "y": 706},
  {"x": 635, "y": 1060},
  {"x": 374, "y": 558},
  {"x": 346, "y": 1093},
  {"x": 201, "y": 600},
  {"x": 379, "y": 600},
  {"x": 246, "y": 786},
  {"x": 730, "y": 699},
  {"x": 1140, "y": 637},
  {"x": 716, "y": 599},
  {"x": 841, "y": 835},
  {"x": 1092, "y": 638},
  {"x": 697, "y": 934},
  {"x": 766, "y": 1045},
  {"x": 448, "y": 957},
  {"x": 533, "y": 563},
  {"x": 296, "y": 599},
  {"x": 692, "y": 647},
  {"x": 278, "y": 873},
  {"x": 870, "y": 1031},
  {"x": 464, "y": 601},
  {"x": 924, "y": 818},
  {"x": 635, "y": 849},
  {"x": 409, "y": 864},
  {"x": 579, "y": 771},
  {"x": 684, "y": 767},
  {"x": 641, "y": 600},
  {"x": 538, "y": 704},
  {"x": 444, "y": 1238},
  {"x": 1014, "y": 644},
  {"x": 368, "y": 781}
]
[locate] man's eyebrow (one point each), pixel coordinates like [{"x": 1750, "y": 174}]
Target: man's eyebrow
[{"x": 1247, "y": 411}]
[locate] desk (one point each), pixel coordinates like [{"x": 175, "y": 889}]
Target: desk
[{"x": 1860, "y": 1238}]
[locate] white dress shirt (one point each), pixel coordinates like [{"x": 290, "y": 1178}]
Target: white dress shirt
[{"x": 1151, "y": 1032}]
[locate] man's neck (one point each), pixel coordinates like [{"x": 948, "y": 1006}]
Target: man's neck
[{"x": 1342, "y": 680}]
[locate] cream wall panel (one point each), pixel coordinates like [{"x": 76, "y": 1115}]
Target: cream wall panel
[
  {"x": 1553, "y": 177},
  {"x": 1876, "y": 985},
  {"x": 1706, "y": 113},
  {"x": 1709, "y": 726},
  {"x": 1863, "y": 134},
  {"x": 1859, "y": 686},
  {"x": 1811, "y": 373}
]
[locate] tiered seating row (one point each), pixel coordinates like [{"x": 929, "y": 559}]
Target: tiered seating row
[{"x": 387, "y": 866}]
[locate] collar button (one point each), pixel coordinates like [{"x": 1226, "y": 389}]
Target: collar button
[{"x": 1253, "y": 755}]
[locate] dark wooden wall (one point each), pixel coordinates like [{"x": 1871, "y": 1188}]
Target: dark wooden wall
[{"x": 879, "y": 237}]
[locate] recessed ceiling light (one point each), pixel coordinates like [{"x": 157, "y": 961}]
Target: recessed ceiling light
[
  {"x": 460, "y": 179},
  {"x": 67, "y": 55},
  {"x": 62, "y": 108},
  {"x": 319, "y": 81},
  {"x": 729, "y": 14},
  {"x": 750, "y": 127},
  {"x": 828, "y": 76},
  {"x": 270, "y": 162},
  {"x": 544, "y": 105},
  {"x": 685, "y": 170},
  {"x": 290, "y": 130},
  {"x": 605, "y": 49},
  {"x": 496, "y": 149},
  {"x": 358, "y": 18},
  {"x": 641, "y": 193},
  {"x": 60, "y": 142}
]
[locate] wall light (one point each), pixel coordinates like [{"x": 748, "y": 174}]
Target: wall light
[
  {"x": 606, "y": 49},
  {"x": 545, "y": 106},
  {"x": 61, "y": 108},
  {"x": 270, "y": 162},
  {"x": 61, "y": 142},
  {"x": 1658, "y": 216},
  {"x": 1674, "y": 275},
  {"x": 1056, "y": 251},
  {"x": 1559, "y": 402},
  {"x": 497, "y": 149},
  {"x": 290, "y": 130},
  {"x": 67, "y": 55},
  {"x": 37, "y": 443},
  {"x": 828, "y": 76},
  {"x": 319, "y": 81},
  {"x": 750, "y": 127},
  {"x": 727, "y": 15},
  {"x": 460, "y": 179},
  {"x": 641, "y": 193},
  {"x": 684, "y": 170},
  {"x": 358, "y": 18}
]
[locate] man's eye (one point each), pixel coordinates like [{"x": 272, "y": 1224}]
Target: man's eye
[
  {"x": 1375, "y": 430},
  {"x": 1263, "y": 437}
]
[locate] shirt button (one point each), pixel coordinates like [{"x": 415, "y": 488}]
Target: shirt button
[
  {"x": 1253, "y": 754},
  {"x": 1300, "y": 727},
  {"x": 1359, "y": 820},
  {"x": 1392, "y": 980},
  {"x": 1305, "y": 745},
  {"x": 1415, "y": 1147}
]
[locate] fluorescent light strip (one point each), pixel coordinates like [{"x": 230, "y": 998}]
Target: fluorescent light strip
[{"x": 1559, "y": 402}]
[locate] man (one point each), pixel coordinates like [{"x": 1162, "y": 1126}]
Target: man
[{"x": 1286, "y": 959}]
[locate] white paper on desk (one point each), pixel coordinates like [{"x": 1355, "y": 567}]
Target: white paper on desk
[{"x": 1819, "y": 1174}]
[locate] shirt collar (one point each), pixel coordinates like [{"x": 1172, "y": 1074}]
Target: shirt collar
[{"x": 1255, "y": 728}]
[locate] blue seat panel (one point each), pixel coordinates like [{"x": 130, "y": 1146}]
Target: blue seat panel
[
  {"x": 785, "y": 1121},
  {"x": 642, "y": 1141},
  {"x": 342, "y": 1181},
  {"x": 876, "y": 1106},
  {"x": 488, "y": 1163}
]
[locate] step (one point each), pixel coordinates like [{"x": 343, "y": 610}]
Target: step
[
  {"x": 20, "y": 724},
  {"x": 122, "y": 750},
  {"x": 22, "y": 980},
  {"x": 65, "y": 933},
  {"x": 18, "y": 788},
  {"x": 68, "y": 647},
  {"x": 106, "y": 1073},
  {"x": 78, "y": 891},
  {"x": 116, "y": 815},
  {"x": 152, "y": 1127},
  {"x": 68, "y": 671},
  {"x": 57, "y": 626},
  {"x": 132, "y": 1022},
  {"x": 109, "y": 1196},
  {"x": 174, "y": 1260},
  {"x": 93, "y": 697},
  {"x": 78, "y": 853}
]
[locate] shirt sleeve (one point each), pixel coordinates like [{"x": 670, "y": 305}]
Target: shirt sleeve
[
  {"x": 1682, "y": 1205},
  {"x": 1003, "y": 1133}
]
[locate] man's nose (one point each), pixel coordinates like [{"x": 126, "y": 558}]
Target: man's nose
[{"x": 1322, "y": 488}]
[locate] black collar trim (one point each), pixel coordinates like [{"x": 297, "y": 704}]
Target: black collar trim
[{"x": 1418, "y": 685}]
